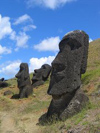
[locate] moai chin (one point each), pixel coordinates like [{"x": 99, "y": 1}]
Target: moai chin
[
  {"x": 23, "y": 80},
  {"x": 65, "y": 81}
]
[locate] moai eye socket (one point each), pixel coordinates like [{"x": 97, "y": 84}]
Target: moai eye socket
[
  {"x": 43, "y": 67},
  {"x": 72, "y": 43}
]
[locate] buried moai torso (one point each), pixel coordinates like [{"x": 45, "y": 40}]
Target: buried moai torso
[
  {"x": 41, "y": 75},
  {"x": 23, "y": 80},
  {"x": 67, "y": 67}
]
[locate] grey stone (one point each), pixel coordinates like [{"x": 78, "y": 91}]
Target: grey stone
[
  {"x": 65, "y": 80},
  {"x": 8, "y": 93},
  {"x": 41, "y": 75},
  {"x": 24, "y": 83},
  {"x": 3, "y": 84}
]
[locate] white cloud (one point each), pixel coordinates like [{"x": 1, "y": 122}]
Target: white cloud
[
  {"x": 10, "y": 68},
  {"x": 52, "y": 4},
  {"x": 23, "y": 19},
  {"x": 36, "y": 63},
  {"x": 21, "y": 39},
  {"x": 49, "y": 44},
  {"x": 4, "y": 50},
  {"x": 29, "y": 27},
  {"x": 90, "y": 40},
  {"x": 5, "y": 26}
]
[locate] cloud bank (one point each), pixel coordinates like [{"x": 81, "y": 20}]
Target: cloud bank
[
  {"x": 51, "y": 4},
  {"x": 10, "y": 68},
  {"x": 5, "y": 27},
  {"x": 49, "y": 44}
]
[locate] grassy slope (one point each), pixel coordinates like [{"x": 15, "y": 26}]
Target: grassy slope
[{"x": 21, "y": 116}]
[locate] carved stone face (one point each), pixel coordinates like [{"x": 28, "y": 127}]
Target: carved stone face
[
  {"x": 69, "y": 64},
  {"x": 42, "y": 73},
  {"x": 23, "y": 75}
]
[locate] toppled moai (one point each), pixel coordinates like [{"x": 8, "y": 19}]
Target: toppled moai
[
  {"x": 65, "y": 80},
  {"x": 3, "y": 83},
  {"x": 23, "y": 80},
  {"x": 41, "y": 75}
]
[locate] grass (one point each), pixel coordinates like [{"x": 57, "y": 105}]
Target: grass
[
  {"x": 36, "y": 107},
  {"x": 90, "y": 76}
]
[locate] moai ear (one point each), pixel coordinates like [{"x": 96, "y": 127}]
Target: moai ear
[
  {"x": 85, "y": 54},
  {"x": 26, "y": 71}
]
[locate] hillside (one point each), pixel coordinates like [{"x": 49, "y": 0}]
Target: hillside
[{"x": 21, "y": 115}]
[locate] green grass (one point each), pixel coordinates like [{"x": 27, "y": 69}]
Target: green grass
[
  {"x": 36, "y": 106},
  {"x": 82, "y": 114},
  {"x": 91, "y": 75},
  {"x": 5, "y": 104}
]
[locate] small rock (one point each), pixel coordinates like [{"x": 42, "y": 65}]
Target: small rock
[{"x": 8, "y": 93}]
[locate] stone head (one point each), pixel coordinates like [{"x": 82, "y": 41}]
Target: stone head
[
  {"x": 69, "y": 64},
  {"x": 23, "y": 75},
  {"x": 42, "y": 73}
]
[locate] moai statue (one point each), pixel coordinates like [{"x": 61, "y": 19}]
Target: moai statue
[
  {"x": 65, "y": 81},
  {"x": 2, "y": 79},
  {"x": 3, "y": 83},
  {"x": 24, "y": 83},
  {"x": 41, "y": 75}
]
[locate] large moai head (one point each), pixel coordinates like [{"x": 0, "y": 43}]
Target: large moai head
[
  {"x": 69, "y": 64},
  {"x": 41, "y": 75},
  {"x": 23, "y": 80},
  {"x": 67, "y": 67}
]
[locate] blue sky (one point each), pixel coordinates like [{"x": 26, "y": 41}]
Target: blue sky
[{"x": 30, "y": 30}]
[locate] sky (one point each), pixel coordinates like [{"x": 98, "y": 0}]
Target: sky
[{"x": 30, "y": 30}]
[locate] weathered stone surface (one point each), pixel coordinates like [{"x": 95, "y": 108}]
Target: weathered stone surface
[
  {"x": 24, "y": 83},
  {"x": 8, "y": 93},
  {"x": 41, "y": 75},
  {"x": 76, "y": 104},
  {"x": 67, "y": 67}
]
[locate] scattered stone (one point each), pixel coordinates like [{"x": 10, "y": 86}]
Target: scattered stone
[{"x": 8, "y": 93}]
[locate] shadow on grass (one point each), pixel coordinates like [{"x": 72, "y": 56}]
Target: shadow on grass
[{"x": 16, "y": 96}]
